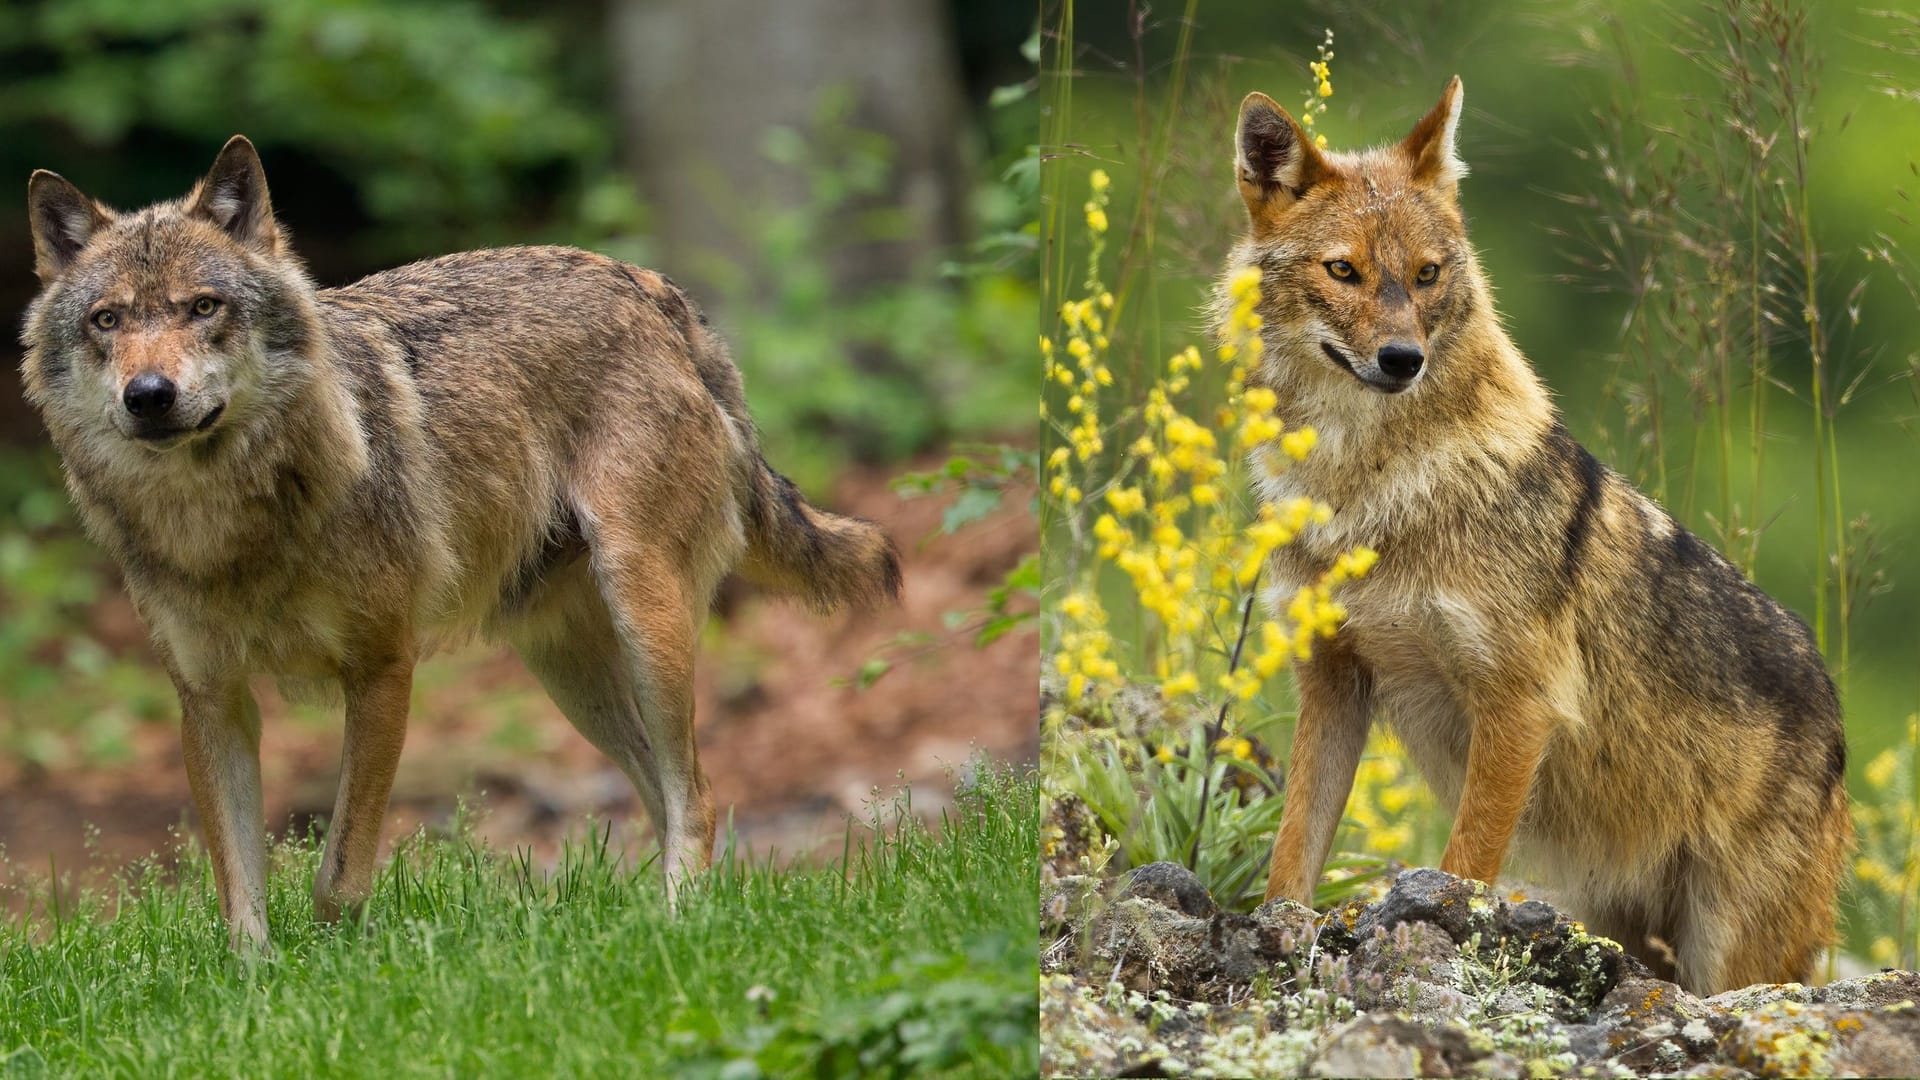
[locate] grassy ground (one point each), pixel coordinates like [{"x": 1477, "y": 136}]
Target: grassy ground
[{"x": 913, "y": 952}]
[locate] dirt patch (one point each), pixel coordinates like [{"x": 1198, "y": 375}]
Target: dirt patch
[{"x": 790, "y": 746}]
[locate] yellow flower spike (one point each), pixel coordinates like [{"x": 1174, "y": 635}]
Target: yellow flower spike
[
  {"x": 1126, "y": 501},
  {"x": 1320, "y": 141},
  {"x": 1879, "y": 772},
  {"x": 1096, "y": 219},
  {"x": 1299, "y": 442},
  {"x": 1099, "y": 180},
  {"x": 1184, "y": 683},
  {"x": 1163, "y": 754}
]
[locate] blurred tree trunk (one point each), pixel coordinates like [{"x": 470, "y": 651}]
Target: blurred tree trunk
[{"x": 701, "y": 82}]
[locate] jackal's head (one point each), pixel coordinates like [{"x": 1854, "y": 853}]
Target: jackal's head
[
  {"x": 163, "y": 325},
  {"x": 1366, "y": 276}
]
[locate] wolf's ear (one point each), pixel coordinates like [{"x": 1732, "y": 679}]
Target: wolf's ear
[
  {"x": 1273, "y": 159},
  {"x": 234, "y": 197},
  {"x": 63, "y": 220},
  {"x": 1430, "y": 145}
]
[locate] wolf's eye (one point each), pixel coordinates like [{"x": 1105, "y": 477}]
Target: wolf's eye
[
  {"x": 1342, "y": 270},
  {"x": 105, "y": 320},
  {"x": 205, "y": 306},
  {"x": 1427, "y": 274}
]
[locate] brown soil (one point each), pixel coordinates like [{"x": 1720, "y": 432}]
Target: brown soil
[{"x": 790, "y": 746}]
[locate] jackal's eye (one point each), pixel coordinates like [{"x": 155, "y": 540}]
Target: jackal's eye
[
  {"x": 1427, "y": 274},
  {"x": 105, "y": 320},
  {"x": 1342, "y": 270},
  {"x": 205, "y": 306}
]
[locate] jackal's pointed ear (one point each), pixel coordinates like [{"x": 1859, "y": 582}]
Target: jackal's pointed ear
[
  {"x": 234, "y": 197},
  {"x": 1273, "y": 159},
  {"x": 62, "y": 219},
  {"x": 1430, "y": 145}
]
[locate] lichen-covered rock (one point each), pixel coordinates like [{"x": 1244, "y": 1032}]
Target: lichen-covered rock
[
  {"x": 1650, "y": 1025},
  {"x": 1087, "y": 1038},
  {"x": 1867, "y": 992},
  {"x": 1163, "y": 932},
  {"x": 1390, "y": 1045},
  {"x": 1438, "y": 977}
]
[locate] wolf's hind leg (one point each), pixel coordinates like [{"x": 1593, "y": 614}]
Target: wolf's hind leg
[
  {"x": 220, "y": 741},
  {"x": 626, "y": 683}
]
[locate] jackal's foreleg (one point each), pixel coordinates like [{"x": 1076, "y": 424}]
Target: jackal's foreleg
[
  {"x": 1510, "y": 728},
  {"x": 1336, "y": 702}
]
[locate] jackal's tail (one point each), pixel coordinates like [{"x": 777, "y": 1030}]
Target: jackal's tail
[{"x": 828, "y": 560}]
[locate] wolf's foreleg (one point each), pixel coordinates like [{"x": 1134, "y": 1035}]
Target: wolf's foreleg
[
  {"x": 220, "y": 740},
  {"x": 1336, "y": 703},
  {"x": 377, "y": 699}
]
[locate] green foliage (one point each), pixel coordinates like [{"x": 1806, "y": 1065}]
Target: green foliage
[
  {"x": 913, "y": 953},
  {"x": 64, "y": 695},
  {"x": 1150, "y": 800},
  {"x": 437, "y": 112},
  {"x": 887, "y": 368}
]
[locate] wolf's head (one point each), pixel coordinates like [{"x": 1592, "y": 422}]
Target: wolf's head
[
  {"x": 1366, "y": 276},
  {"x": 160, "y": 327}
]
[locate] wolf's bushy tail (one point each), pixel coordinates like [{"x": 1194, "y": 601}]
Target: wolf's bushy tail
[{"x": 829, "y": 560}]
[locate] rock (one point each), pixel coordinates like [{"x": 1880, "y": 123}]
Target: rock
[
  {"x": 1459, "y": 907},
  {"x": 1386, "y": 1045},
  {"x": 1417, "y": 968},
  {"x": 1170, "y": 884},
  {"x": 1866, "y": 992},
  {"x": 1651, "y": 1025},
  {"x": 1564, "y": 957},
  {"x": 1149, "y": 938},
  {"x": 1086, "y": 1037},
  {"x": 1438, "y": 977}
]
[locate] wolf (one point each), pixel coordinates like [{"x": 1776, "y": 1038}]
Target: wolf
[
  {"x": 535, "y": 444},
  {"x": 1570, "y": 669}
]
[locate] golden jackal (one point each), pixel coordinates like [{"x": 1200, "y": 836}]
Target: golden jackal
[
  {"x": 537, "y": 443},
  {"x": 1566, "y": 665}
]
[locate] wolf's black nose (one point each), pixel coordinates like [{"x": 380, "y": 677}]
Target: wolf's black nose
[
  {"x": 1401, "y": 361},
  {"x": 149, "y": 395}
]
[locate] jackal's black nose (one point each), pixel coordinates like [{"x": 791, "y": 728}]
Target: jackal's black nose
[
  {"x": 149, "y": 396},
  {"x": 1400, "y": 360}
]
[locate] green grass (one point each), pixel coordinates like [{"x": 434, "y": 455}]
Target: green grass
[{"x": 912, "y": 953}]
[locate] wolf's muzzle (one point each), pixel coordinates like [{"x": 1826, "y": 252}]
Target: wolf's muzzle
[{"x": 149, "y": 396}]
